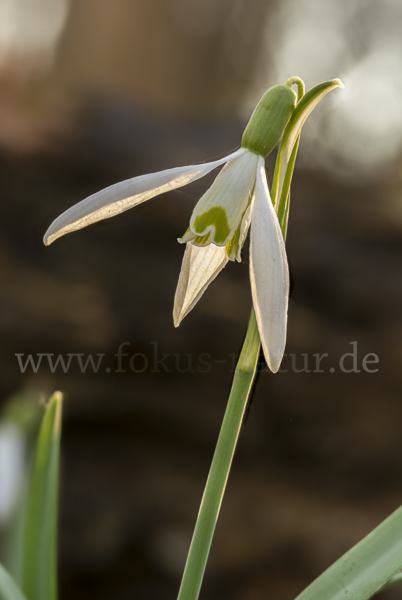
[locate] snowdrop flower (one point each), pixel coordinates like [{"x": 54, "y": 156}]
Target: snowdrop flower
[
  {"x": 241, "y": 192},
  {"x": 237, "y": 200}
]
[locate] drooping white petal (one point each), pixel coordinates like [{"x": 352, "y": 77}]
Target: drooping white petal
[
  {"x": 220, "y": 210},
  {"x": 269, "y": 274},
  {"x": 199, "y": 268},
  {"x": 121, "y": 196}
]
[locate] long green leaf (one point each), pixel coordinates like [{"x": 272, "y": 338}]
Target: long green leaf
[
  {"x": 9, "y": 590},
  {"x": 303, "y": 109},
  {"x": 23, "y": 413},
  {"x": 359, "y": 573},
  {"x": 40, "y": 545}
]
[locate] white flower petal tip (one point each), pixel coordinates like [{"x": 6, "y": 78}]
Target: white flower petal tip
[
  {"x": 200, "y": 267},
  {"x": 269, "y": 274},
  {"x": 124, "y": 195}
]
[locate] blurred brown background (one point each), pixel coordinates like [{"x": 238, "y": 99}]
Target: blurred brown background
[{"x": 93, "y": 92}]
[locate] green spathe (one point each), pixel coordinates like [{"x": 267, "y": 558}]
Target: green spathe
[
  {"x": 217, "y": 217},
  {"x": 269, "y": 120}
]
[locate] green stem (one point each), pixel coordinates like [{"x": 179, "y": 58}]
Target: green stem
[
  {"x": 300, "y": 86},
  {"x": 281, "y": 203},
  {"x": 221, "y": 463},
  {"x": 280, "y": 194}
]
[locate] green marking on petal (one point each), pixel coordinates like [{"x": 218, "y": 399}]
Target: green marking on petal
[
  {"x": 236, "y": 243},
  {"x": 202, "y": 240},
  {"x": 196, "y": 240},
  {"x": 216, "y": 217},
  {"x": 232, "y": 246}
]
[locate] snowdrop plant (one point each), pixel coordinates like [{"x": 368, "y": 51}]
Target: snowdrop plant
[
  {"x": 221, "y": 219},
  {"x": 373, "y": 564},
  {"x": 237, "y": 201}
]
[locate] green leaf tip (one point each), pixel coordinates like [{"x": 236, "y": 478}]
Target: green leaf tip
[
  {"x": 338, "y": 82},
  {"x": 286, "y": 157},
  {"x": 303, "y": 109},
  {"x": 40, "y": 543},
  {"x": 56, "y": 400}
]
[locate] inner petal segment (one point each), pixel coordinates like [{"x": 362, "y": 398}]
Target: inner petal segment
[{"x": 220, "y": 210}]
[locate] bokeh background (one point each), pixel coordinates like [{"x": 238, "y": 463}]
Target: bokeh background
[{"x": 93, "y": 92}]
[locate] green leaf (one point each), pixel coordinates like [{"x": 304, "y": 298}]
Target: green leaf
[
  {"x": 303, "y": 110},
  {"x": 23, "y": 413},
  {"x": 40, "y": 544},
  {"x": 9, "y": 590},
  {"x": 359, "y": 573},
  {"x": 284, "y": 200},
  {"x": 290, "y": 136}
]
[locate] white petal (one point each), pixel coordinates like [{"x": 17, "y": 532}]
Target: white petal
[
  {"x": 244, "y": 227},
  {"x": 117, "y": 198},
  {"x": 269, "y": 274},
  {"x": 235, "y": 246},
  {"x": 220, "y": 209},
  {"x": 199, "y": 268}
]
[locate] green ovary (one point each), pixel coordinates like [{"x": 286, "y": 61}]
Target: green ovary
[
  {"x": 215, "y": 216},
  {"x": 269, "y": 119}
]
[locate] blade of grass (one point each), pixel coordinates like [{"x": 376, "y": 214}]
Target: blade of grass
[
  {"x": 40, "y": 543},
  {"x": 359, "y": 573},
  {"x": 9, "y": 590}
]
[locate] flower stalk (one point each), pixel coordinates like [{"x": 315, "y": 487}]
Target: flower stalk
[
  {"x": 219, "y": 472},
  {"x": 246, "y": 370}
]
